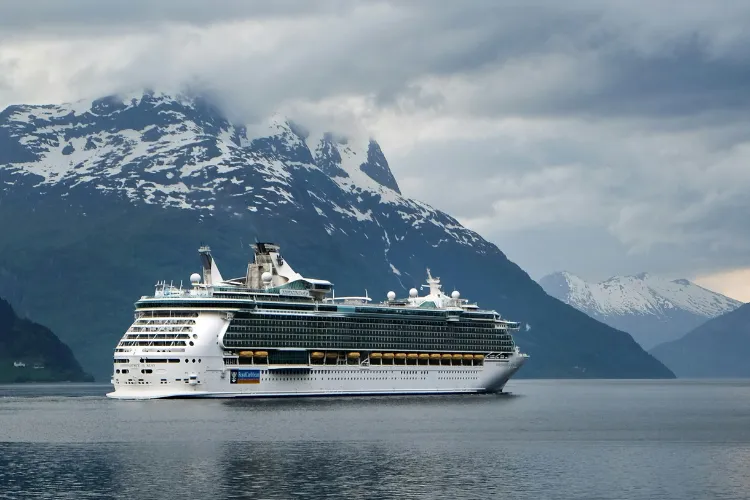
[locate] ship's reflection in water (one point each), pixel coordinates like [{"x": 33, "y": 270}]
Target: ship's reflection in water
[{"x": 560, "y": 440}]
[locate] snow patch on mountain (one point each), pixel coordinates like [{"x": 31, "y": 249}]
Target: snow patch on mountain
[
  {"x": 179, "y": 151},
  {"x": 643, "y": 294}
]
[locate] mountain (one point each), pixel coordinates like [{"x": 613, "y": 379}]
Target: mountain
[
  {"x": 719, "y": 348},
  {"x": 119, "y": 192},
  {"x": 31, "y": 352},
  {"x": 653, "y": 310}
]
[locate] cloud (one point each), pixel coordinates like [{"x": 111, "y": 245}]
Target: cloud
[{"x": 622, "y": 123}]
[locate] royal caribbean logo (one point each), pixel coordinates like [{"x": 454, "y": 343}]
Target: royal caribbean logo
[{"x": 244, "y": 377}]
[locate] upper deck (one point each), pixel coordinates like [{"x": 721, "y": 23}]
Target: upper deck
[{"x": 271, "y": 284}]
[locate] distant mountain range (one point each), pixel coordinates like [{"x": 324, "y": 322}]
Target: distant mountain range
[
  {"x": 117, "y": 193},
  {"x": 653, "y": 310},
  {"x": 718, "y": 348},
  {"x": 32, "y": 353}
]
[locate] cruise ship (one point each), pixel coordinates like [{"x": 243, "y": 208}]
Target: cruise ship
[{"x": 274, "y": 332}]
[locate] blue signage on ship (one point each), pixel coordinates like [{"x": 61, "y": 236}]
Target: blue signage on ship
[{"x": 244, "y": 377}]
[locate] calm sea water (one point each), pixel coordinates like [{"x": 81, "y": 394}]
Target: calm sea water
[{"x": 548, "y": 440}]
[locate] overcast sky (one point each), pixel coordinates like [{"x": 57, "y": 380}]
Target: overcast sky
[{"x": 600, "y": 138}]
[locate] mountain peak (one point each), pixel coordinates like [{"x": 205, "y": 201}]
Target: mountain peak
[
  {"x": 177, "y": 150},
  {"x": 377, "y": 167},
  {"x": 654, "y": 301}
]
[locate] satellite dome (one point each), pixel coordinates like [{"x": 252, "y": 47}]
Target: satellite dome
[
  {"x": 266, "y": 277},
  {"x": 195, "y": 278},
  {"x": 455, "y": 295},
  {"x": 391, "y": 295},
  {"x": 413, "y": 293}
]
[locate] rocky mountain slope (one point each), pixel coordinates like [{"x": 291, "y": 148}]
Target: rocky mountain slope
[
  {"x": 32, "y": 353},
  {"x": 106, "y": 197},
  {"x": 718, "y": 348},
  {"x": 653, "y": 310}
]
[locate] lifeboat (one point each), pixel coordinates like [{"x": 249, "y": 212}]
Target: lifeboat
[
  {"x": 447, "y": 356},
  {"x": 388, "y": 355},
  {"x": 479, "y": 356},
  {"x": 424, "y": 355},
  {"x": 246, "y": 354},
  {"x": 261, "y": 354},
  {"x": 353, "y": 355},
  {"x": 458, "y": 356},
  {"x": 317, "y": 355},
  {"x": 376, "y": 355},
  {"x": 412, "y": 355},
  {"x": 400, "y": 355},
  {"x": 435, "y": 356},
  {"x": 332, "y": 355},
  {"x": 468, "y": 356}
]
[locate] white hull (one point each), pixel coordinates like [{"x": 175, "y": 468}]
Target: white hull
[{"x": 322, "y": 380}]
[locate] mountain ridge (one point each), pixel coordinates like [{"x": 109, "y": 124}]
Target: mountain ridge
[
  {"x": 650, "y": 308},
  {"x": 719, "y": 348},
  {"x": 136, "y": 202},
  {"x": 30, "y": 352}
]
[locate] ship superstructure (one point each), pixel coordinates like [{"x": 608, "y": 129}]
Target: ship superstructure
[{"x": 274, "y": 332}]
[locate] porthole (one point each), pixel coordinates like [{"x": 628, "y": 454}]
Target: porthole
[
  {"x": 191, "y": 343},
  {"x": 193, "y": 360},
  {"x": 195, "y": 335}
]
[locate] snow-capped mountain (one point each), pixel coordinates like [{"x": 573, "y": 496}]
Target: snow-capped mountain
[
  {"x": 652, "y": 309},
  {"x": 105, "y": 197}
]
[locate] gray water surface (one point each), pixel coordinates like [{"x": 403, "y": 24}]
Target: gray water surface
[{"x": 547, "y": 440}]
